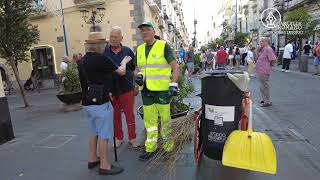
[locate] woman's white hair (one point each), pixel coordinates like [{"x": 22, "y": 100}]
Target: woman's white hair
[
  {"x": 266, "y": 39},
  {"x": 95, "y": 47},
  {"x": 116, "y": 29}
]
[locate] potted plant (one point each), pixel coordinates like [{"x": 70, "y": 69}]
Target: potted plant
[
  {"x": 71, "y": 93},
  {"x": 196, "y": 61},
  {"x": 177, "y": 106}
]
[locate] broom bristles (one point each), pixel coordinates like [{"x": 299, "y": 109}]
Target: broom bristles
[{"x": 181, "y": 135}]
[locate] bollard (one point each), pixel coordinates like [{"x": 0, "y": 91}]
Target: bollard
[
  {"x": 304, "y": 63},
  {"x": 6, "y": 131}
]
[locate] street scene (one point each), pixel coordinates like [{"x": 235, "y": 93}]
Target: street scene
[{"x": 160, "y": 89}]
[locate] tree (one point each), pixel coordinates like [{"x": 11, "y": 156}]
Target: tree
[
  {"x": 241, "y": 39},
  {"x": 212, "y": 45},
  {"x": 302, "y": 16},
  {"x": 17, "y": 35},
  {"x": 220, "y": 40}
]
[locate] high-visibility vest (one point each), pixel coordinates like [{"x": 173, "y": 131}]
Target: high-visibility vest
[{"x": 155, "y": 68}]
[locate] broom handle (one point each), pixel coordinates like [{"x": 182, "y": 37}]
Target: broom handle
[{"x": 250, "y": 116}]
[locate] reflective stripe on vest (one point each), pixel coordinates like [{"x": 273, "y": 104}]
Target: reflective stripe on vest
[{"x": 155, "y": 68}]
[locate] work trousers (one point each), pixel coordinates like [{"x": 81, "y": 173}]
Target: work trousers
[{"x": 155, "y": 106}]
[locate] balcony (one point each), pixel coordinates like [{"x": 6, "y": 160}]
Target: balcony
[
  {"x": 154, "y": 6},
  {"x": 39, "y": 10},
  {"x": 175, "y": 6},
  {"x": 254, "y": 6},
  {"x": 293, "y": 4},
  {"x": 86, "y": 3}
]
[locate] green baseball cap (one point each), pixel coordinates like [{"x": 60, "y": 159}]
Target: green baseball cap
[{"x": 146, "y": 23}]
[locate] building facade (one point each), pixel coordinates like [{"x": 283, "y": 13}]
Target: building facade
[{"x": 47, "y": 54}]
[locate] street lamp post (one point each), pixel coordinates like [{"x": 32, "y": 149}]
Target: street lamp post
[
  {"x": 236, "y": 28},
  {"x": 99, "y": 11},
  {"x": 64, "y": 30}
]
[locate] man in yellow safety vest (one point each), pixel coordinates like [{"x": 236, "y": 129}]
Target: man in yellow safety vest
[{"x": 157, "y": 73}]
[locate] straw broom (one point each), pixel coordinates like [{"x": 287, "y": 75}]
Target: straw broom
[{"x": 181, "y": 135}]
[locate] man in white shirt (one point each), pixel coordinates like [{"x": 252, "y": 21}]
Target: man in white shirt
[
  {"x": 288, "y": 49},
  {"x": 64, "y": 63},
  {"x": 64, "y": 67}
]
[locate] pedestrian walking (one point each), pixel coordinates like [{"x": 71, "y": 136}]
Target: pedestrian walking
[
  {"x": 95, "y": 72},
  {"x": 182, "y": 54},
  {"x": 237, "y": 58},
  {"x": 306, "y": 49},
  {"x": 273, "y": 48},
  {"x": 155, "y": 62},
  {"x": 265, "y": 59},
  {"x": 79, "y": 56},
  {"x": 250, "y": 61},
  {"x": 203, "y": 61},
  {"x": 75, "y": 58},
  {"x": 123, "y": 87},
  {"x": 64, "y": 63},
  {"x": 63, "y": 68},
  {"x": 316, "y": 53},
  {"x": 243, "y": 54},
  {"x": 189, "y": 62},
  {"x": 287, "y": 56},
  {"x": 230, "y": 56},
  {"x": 210, "y": 60},
  {"x": 221, "y": 57}
]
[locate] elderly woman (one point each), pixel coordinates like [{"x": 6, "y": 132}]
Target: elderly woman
[{"x": 95, "y": 73}]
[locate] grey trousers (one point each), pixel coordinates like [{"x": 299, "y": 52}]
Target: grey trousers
[{"x": 264, "y": 88}]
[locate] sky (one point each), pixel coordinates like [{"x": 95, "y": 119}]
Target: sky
[{"x": 203, "y": 10}]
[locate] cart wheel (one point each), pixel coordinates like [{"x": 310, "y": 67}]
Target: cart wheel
[{"x": 197, "y": 140}]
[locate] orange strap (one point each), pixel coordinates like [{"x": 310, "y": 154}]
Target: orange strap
[{"x": 244, "y": 115}]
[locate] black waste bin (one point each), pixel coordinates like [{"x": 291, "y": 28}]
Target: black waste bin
[
  {"x": 6, "y": 131},
  {"x": 222, "y": 108}
]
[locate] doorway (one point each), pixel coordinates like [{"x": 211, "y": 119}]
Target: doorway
[{"x": 43, "y": 62}]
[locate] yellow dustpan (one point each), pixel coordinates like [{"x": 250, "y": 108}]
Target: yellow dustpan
[{"x": 250, "y": 150}]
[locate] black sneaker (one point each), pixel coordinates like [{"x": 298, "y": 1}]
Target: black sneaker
[
  {"x": 265, "y": 105},
  {"x": 113, "y": 171},
  {"x": 146, "y": 156}
]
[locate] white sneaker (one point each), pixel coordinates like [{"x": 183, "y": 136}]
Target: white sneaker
[
  {"x": 283, "y": 70},
  {"x": 118, "y": 143},
  {"x": 134, "y": 143},
  {"x": 287, "y": 70}
]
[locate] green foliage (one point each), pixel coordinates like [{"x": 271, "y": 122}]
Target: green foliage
[
  {"x": 17, "y": 34},
  {"x": 203, "y": 48},
  {"x": 241, "y": 39},
  {"x": 308, "y": 24},
  {"x": 186, "y": 88},
  {"x": 72, "y": 82},
  {"x": 212, "y": 45},
  {"x": 196, "y": 60},
  {"x": 220, "y": 41}
]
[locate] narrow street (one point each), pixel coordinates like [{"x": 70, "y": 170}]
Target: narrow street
[{"x": 51, "y": 144}]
